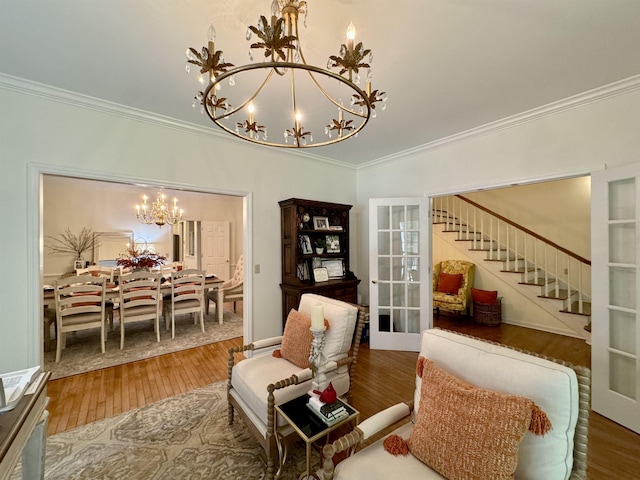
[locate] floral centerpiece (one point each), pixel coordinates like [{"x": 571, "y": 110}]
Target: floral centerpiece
[{"x": 141, "y": 259}]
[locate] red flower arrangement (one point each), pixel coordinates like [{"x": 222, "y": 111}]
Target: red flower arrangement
[{"x": 136, "y": 260}]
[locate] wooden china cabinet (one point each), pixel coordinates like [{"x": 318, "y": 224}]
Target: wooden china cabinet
[{"x": 305, "y": 226}]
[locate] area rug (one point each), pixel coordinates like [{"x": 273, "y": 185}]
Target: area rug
[
  {"x": 83, "y": 354},
  {"x": 182, "y": 437}
]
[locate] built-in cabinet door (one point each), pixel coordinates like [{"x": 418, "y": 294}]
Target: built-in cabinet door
[
  {"x": 400, "y": 289},
  {"x": 615, "y": 237}
]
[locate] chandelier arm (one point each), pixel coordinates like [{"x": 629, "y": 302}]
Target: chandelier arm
[
  {"x": 238, "y": 108},
  {"x": 334, "y": 101}
]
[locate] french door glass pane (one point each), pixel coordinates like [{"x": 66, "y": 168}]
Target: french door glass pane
[
  {"x": 397, "y": 217},
  {"x": 622, "y": 199},
  {"x": 384, "y": 273},
  {"x": 413, "y": 217},
  {"x": 399, "y": 295},
  {"x": 413, "y": 295},
  {"x": 384, "y": 245},
  {"x": 622, "y": 331},
  {"x": 383, "y": 218},
  {"x": 384, "y": 320},
  {"x": 399, "y": 270},
  {"x": 622, "y": 243},
  {"x": 399, "y": 320},
  {"x": 384, "y": 294},
  {"x": 622, "y": 287},
  {"x": 413, "y": 321},
  {"x": 622, "y": 375}
]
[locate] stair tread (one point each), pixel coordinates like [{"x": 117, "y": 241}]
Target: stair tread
[
  {"x": 563, "y": 294},
  {"x": 586, "y": 309}
]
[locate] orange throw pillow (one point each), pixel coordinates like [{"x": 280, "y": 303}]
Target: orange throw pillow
[
  {"x": 449, "y": 282},
  {"x": 297, "y": 339},
  {"x": 484, "y": 296},
  {"x": 465, "y": 432}
]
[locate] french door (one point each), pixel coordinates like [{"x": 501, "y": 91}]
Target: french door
[
  {"x": 615, "y": 325},
  {"x": 400, "y": 290}
]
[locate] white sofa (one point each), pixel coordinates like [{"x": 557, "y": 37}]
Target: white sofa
[{"x": 561, "y": 390}]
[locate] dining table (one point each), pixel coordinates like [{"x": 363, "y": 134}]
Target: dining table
[{"x": 113, "y": 293}]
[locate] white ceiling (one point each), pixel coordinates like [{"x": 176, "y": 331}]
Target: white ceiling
[{"x": 448, "y": 66}]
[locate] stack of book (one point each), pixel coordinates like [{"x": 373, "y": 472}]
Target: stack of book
[{"x": 329, "y": 413}]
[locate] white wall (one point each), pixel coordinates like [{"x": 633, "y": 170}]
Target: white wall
[
  {"x": 42, "y": 133},
  {"x": 571, "y": 141}
]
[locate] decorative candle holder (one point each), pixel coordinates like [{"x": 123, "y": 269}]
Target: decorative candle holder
[{"x": 318, "y": 360}]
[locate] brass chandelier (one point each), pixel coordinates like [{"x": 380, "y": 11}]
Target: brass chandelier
[
  {"x": 283, "y": 90},
  {"x": 159, "y": 212}
]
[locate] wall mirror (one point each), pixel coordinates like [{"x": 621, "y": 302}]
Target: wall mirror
[{"x": 110, "y": 245}]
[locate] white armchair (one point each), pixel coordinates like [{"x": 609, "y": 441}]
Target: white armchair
[
  {"x": 257, "y": 384},
  {"x": 560, "y": 390}
]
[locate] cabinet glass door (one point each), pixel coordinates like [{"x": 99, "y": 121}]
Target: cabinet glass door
[
  {"x": 615, "y": 324},
  {"x": 400, "y": 282}
]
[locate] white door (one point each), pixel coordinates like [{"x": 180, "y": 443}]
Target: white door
[
  {"x": 400, "y": 290},
  {"x": 615, "y": 325},
  {"x": 215, "y": 248}
]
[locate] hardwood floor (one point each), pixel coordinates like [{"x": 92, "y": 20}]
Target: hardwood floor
[{"x": 383, "y": 378}]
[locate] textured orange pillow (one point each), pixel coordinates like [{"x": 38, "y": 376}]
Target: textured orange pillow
[
  {"x": 297, "y": 339},
  {"x": 449, "y": 282},
  {"x": 484, "y": 296},
  {"x": 464, "y": 432}
]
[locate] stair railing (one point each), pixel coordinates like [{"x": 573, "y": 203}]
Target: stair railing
[{"x": 562, "y": 274}]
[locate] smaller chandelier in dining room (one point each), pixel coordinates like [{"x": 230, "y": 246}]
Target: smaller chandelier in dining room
[
  {"x": 159, "y": 212},
  {"x": 283, "y": 93}
]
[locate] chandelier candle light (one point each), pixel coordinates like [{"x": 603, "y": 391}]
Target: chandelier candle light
[
  {"x": 317, "y": 358},
  {"x": 159, "y": 213},
  {"x": 295, "y": 88}
]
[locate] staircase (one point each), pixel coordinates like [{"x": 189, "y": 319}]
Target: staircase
[{"x": 557, "y": 280}]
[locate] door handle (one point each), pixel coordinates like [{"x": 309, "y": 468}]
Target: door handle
[{"x": 374, "y": 281}]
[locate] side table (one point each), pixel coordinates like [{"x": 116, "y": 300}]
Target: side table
[{"x": 309, "y": 428}]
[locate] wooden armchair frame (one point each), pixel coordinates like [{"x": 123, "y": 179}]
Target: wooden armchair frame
[{"x": 268, "y": 442}]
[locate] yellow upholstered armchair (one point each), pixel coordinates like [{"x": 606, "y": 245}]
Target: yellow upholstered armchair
[{"x": 452, "y": 282}]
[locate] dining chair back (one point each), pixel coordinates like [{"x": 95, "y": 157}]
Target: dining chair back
[
  {"x": 187, "y": 296},
  {"x": 80, "y": 305},
  {"x": 232, "y": 289},
  {"x": 97, "y": 271},
  {"x": 139, "y": 300}
]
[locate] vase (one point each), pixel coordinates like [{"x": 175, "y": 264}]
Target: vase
[{"x": 319, "y": 250}]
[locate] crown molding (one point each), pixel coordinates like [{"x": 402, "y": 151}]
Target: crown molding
[
  {"x": 590, "y": 96},
  {"x": 54, "y": 94},
  {"x": 27, "y": 87}
]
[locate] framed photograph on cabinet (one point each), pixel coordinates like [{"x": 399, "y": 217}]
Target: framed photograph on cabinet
[
  {"x": 335, "y": 268},
  {"x": 333, "y": 244},
  {"x": 303, "y": 271},
  {"x": 320, "y": 223},
  {"x": 305, "y": 244},
  {"x": 320, "y": 275}
]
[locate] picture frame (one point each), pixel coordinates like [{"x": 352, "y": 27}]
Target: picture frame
[
  {"x": 305, "y": 244},
  {"x": 335, "y": 268},
  {"x": 333, "y": 244},
  {"x": 320, "y": 223},
  {"x": 320, "y": 274},
  {"x": 303, "y": 272},
  {"x": 316, "y": 262}
]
